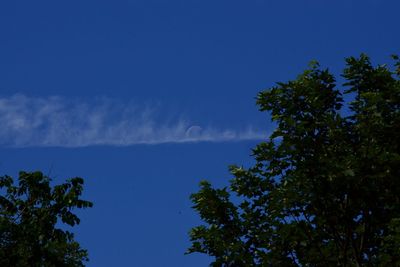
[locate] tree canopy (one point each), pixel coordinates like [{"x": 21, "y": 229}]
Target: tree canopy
[
  {"x": 29, "y": 219},
  {"x": 325, "y": 186}
]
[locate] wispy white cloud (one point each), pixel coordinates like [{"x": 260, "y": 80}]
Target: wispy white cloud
[{"x": 56, "y": 121}]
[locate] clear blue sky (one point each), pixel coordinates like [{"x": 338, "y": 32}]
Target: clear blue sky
[{"x": 145, "y": 98}]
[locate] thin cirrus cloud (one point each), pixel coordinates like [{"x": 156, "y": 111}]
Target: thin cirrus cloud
[{"x": 61, "y": 122}]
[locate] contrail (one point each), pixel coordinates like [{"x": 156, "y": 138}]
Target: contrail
[{"x": 61, "y": 122}]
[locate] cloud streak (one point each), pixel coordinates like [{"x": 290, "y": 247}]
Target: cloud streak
[{"x": 61, "y": 122}]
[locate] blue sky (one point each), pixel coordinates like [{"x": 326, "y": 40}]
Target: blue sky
[{"x": 146, "y": 98}]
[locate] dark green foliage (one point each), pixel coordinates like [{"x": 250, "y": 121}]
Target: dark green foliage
[
  {"x": 29, "y": 220},
  {"x": 325, "y": 188}
]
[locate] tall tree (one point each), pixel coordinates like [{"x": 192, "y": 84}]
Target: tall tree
[
  {"x": 29, "y": 221},
  {"x": 325, "y": 186}
]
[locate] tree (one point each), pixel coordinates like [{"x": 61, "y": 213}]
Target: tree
[
  {"x": 325, "y": 186},
  {"x": 29, "y": 221}
]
